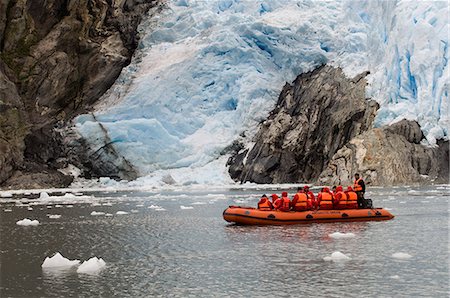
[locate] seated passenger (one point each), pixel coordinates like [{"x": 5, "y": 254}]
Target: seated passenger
[
  {"x": 352, "y": 198},
  {"x": 274, "y": 198},
  {"x": 283, "y": 203},
  {"x": 325, "y": 199},
  {"x": 340, "y": 199},
  {"x": 300, "y": 201},
  {"x": 264, "y": 204},
  {"x": 312, "y": 203}
]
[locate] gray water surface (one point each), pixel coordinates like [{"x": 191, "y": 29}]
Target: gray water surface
[{"x": 195, "y": 253}]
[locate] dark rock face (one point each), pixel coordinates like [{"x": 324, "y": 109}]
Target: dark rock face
[
  {"x": 315, "y": 116},
  {"x": 57, "y": 58},
  {"x": 390, "y": 155}
]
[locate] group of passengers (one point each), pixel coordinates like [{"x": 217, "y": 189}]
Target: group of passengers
[{"x": 304, "y": 199}]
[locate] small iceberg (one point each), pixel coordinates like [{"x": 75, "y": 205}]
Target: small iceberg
[
  {"x": 43, "y": 195},
  {"x": 27, "y": 222},
  {"x": 54, "y": 216},
  {"x": 186, "y": 207},
  {"x": 58, "y": 261},
  {"x": 401, "y": 256},
  {"x": 121, "y": 212},
  {"x": 336, "y": 257},
  {"x": 97, "y": 213},
  {"x": 339, "y": 235},
  {"x": 91, "y": 266}
]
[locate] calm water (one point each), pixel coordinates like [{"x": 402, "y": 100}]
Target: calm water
[{"x": 192, "y": 253}]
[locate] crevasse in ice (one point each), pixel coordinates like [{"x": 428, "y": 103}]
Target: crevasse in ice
[{"x": 207, "y": 71}]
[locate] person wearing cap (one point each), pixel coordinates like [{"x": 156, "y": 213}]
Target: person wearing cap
[
  {"x": 312, "y": 203},
  {"x": 264, "y": 204},
  {"x": 274, "y": 198}
]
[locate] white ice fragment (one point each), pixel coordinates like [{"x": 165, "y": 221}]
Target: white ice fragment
[
  {"x": 394, "y": 276},
  {"x": 107, "y": 204},
  {"x": 154, "y": 207},
  {"x": 69, "y": 206},
  {"x": 95, "y": 204},
  {"x": 58, "y": 206},
  {"x": 30, "y": 209},
  {"x": 134, "y": 211},
  {"x": 198, "y": 203},
  {"x": 338, "y": 235},
  {"x": 336, "y": 256},
  {"x": 186, "y": 207},
  {"x": 49, "y": 207},
  {"x": 401, "y": 255},
  {"x": 54, "y": 216},
  {"x": 97, "y": 213},
  {"x": 6, "y": 195},
  {"x": 43, "y": 195},
  {"x": 160, "y": 209},
  {"x": 91, "y": 266},
  {"x": 108, "y": 214},
  {"x": 27, "y": 222},
  {"x": 140, "y": 205},
  {"x": 58, "y": 261},
  {"x": 7, "y": 210},
  {"x": 121, "y": 212}
]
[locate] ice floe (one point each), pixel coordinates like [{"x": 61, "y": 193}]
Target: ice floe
[
  {"x": 97, "y": 213},
  {"x": 43, "y": 195},
  {"x": 58, "y": 261},
  {"x": 401, "y": 256},
  {"x": 27, "y": 222},
  {"x": 339, "y": 235},
  {"x": 186, "y": 207},
  {"x": 92, "y": 266},
  {"x": 154, "y": 207},
  {"x": 7, "y": 210},
  {"x": 121, "y": 212},
  {"x": 336, "y": 256},
  {"x": 54, "y": 216}
]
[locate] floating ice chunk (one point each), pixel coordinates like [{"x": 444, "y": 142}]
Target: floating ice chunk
[
  {"x": 30, "y": 209},
  {"x": 134, "y": 211},
  {"x": 107, "y": 204},
  {"x": 92, "y": 266},
  {"x": 27, "y": 222},
  {"x": 121, "y": 212},
  {"x": 154, "y": 207},
  {"x": 108, "y": 214},
  {"x": 186, "y": 207},
  {"x": 58, "y": 206},
  {"x": 198, "y": 203},
  {"x": 7, "y": 210},
  {"x": 140, "y": 205},
  {"x": 54, "y": 216},
  {"x": 97, "y": 213},
  {"x": 49, "y": 207},
  {"x": 401, "y": 255},
  {"x": 337, "y": 256},
  {"x": 69, "y": 206},
  {"x": 43, "y": 195},
  {"x": 160, "y": 209},
  {"x": 338, "y": 235},
  {"x": 394, "y": 276},
  {"x": 6, "y": 195},
  {"x": 58, "y": 261},
  {"x": 95, "y": 204}
]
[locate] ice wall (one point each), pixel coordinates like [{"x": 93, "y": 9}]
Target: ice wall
[{"x": 209, "y": 71}]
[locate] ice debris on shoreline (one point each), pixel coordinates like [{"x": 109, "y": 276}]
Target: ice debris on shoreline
[
  {"x": 336, "y": 257},
  {"x": 339, "y": 235},
  {"x": 58, "y": 261},
  {"x": 27, "y": 222},
  {"x": 401, "y": 256},
  {"x": 92, "y": 266}
]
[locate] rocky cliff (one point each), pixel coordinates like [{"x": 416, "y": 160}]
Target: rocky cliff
[
  {"x": 57, "y": 58},
  {"x": 315, "y": 116},
  {"x": 322, "y": 128}
]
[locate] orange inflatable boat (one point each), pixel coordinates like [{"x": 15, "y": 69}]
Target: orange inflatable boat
[{"x": 251, "y": 216}]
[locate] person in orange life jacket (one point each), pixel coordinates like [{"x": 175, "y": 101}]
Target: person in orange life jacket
[
  {"x": 300, "y": 201},
  {"x": 325, "y": 199},
  {"x": 283, "y": 203},
  {"x": 274, "y": 198},
  {"x": 352, "y": 198},
  {"x": 311, "y": 198},
  {"x": 340, "y": 198},
  {"x": 264, "y": 204},
  {"x": 360, "y": 188}
]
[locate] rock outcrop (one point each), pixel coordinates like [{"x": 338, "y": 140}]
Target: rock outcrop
[
  {"x": 390, "y": 155},
  {"x": 57, "y": 58},
  {"x": 315, "y": 116}
]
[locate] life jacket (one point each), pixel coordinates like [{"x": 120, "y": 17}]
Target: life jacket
[
  {"x": 326, "y": 200},
  {"x": 343, "y": 200},
  {"x": 285, "y": 204},
  {"x": 265, "y": 206},
  {"x": 352, "y": 199},
  {"x": 302, "y": 201},
  {"x": 356, "y": 186}
]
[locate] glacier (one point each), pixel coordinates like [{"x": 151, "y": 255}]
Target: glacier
[{"x": 207, "y": 72}]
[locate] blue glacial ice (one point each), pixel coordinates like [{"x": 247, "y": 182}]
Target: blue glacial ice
[{"x": 207, "y": 72}]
